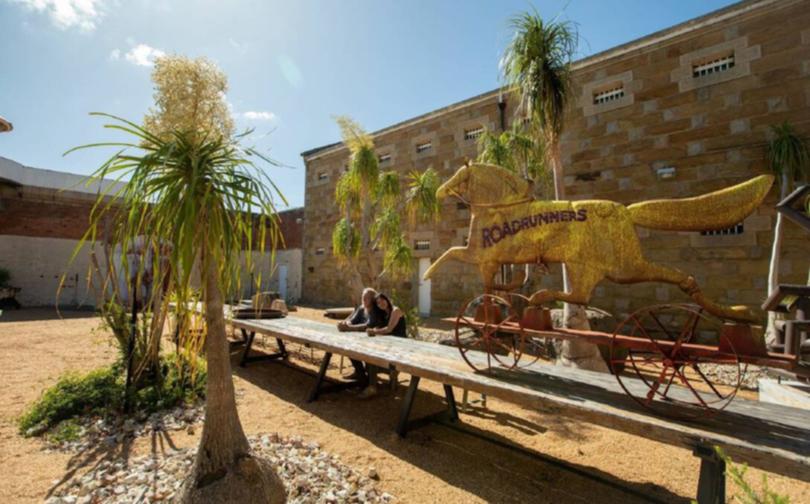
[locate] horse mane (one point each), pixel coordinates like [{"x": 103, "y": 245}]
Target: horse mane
[{"x": 493, "y": 184}]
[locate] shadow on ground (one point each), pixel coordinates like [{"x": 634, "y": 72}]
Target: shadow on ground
[
  {"x": 43, "y": 314},
  {"x": 88, "y": 460},
  {"x": 467, "y": 460}
]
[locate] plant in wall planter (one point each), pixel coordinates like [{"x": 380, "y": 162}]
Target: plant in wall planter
[{"x": 8, "y": 294}]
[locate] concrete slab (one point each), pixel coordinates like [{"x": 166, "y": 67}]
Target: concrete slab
[{"x": 785, "y": 392}]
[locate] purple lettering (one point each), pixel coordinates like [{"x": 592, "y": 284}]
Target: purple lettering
[
  {"x": 492, "y": 233},
  {"x": 582, "y": 214},
  {"x": 506, "y": 229},
  {"x": 487, "y": 238}
]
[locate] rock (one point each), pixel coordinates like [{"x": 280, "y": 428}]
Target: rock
[
  {"x": 309, "y": 474},
  {"x": 36, "y": 430}
]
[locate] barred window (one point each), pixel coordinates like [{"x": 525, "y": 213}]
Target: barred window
[
  {"x": 320, "y": 251},
  {"x": 713, "y": 65},
  {"x": 736, "y": 229},
  {"x": 323, "y": 175},
  {"x": 421, "y": 245},
  {"x": 608, "y": 95},
  {"x": 384, "y": 158},
  {"x": 473, "y": 133},
  {"x": 423, "y": 147}
]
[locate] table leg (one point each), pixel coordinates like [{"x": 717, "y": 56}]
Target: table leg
[
  {"x": 402, "y": 426},
  {"x": 712, "y": 481},
  {"x": 313, "y": 395}
]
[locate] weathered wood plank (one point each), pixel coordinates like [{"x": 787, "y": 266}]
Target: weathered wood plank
[{"x": 771, "y": 437}]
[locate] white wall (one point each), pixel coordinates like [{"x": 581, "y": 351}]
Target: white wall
[
  {"x": 269, "y": 276},
  {"x": 37, "y": 264}
]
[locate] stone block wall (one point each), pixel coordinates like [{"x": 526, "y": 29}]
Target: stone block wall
[{"x": 711, "y": 129}]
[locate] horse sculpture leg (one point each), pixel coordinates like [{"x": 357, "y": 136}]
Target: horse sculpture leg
[
  {"x": 454, "y": 253},
  {"x": 650, "y": 272},
  {"x": 581, "y": 283}
]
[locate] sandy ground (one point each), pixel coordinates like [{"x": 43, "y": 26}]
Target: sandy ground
[{"x": 434, "y": 464}]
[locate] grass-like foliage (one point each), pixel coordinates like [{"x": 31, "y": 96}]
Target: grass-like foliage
[
  {"x": 747, "y": 494},
  {"x": 101, "y": 393}
]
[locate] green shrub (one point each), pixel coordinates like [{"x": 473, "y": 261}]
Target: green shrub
[
  {"x": 5, "y": 277},
  {"x": 182, "y": 382},
  {"x": 748, "y": 495},
  {"x": 101, "y": 393},
  {"x": 96, "y": 392},
  {"x": 65, "y": 432}
]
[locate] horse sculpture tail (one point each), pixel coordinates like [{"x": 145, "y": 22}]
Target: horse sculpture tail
[{"x": 715, "y": 210}]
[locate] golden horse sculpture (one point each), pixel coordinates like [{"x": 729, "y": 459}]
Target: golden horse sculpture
[{"x": 596, "y": 239}]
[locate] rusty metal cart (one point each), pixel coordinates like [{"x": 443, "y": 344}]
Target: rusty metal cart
[{"x": 679, "y": 352}]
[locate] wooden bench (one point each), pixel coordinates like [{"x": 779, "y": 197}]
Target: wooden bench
[{"x": 771, "y": 437}]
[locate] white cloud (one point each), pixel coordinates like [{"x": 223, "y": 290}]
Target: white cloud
[
  {"x": 115, "y": 54},
  {"x": 259, "y": 115},
  {"x": 143, "y": 55},
  {"x": 81, "y": 14}
]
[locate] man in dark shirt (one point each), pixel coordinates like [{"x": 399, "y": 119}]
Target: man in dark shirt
[{"x": 363, "y": 317}]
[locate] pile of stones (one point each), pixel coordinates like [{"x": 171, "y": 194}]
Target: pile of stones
[
  {"x": 94, "y": 431},
  {"x": 309, "y": 475}
]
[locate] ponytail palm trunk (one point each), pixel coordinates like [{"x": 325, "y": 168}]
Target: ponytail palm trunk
[{"x": 789, "y": 158}]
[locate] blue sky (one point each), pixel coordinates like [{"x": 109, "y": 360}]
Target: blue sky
[{"x": 292, "y": 65}]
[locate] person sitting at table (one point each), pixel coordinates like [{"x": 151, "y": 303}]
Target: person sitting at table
[
  {"x": 395, "y": 326},
  {"x": 365, "y": 316},
  {"x": 394, "y": 316}
]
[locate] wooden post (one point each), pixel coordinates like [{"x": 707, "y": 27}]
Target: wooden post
[
  {"x": 131, "y": 345},
  {"x": 712, "y": 481}
]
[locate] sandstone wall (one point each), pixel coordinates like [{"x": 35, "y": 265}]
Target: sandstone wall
[{"x": 711, "y": 129}]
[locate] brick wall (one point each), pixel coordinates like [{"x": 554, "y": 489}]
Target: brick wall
[
  {"x": 712, "y": 130},
  {"x": 41, "y": 227},
  {"x": 291, "y": 224}
]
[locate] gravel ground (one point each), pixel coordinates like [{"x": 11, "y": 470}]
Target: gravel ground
[
  {"x": 310, "y": 475},
  {"x": 433, "y": 464}
]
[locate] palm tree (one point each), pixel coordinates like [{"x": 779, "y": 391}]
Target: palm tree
[
  {"x": 204, "y": 195},
  {"x": 372, "y": 202},
  {"x": 789, "y": 160},
  {"x": 537, "y": 66},
  {"x": 188, "y": 187},
  {"x": 517, "y": 151}
]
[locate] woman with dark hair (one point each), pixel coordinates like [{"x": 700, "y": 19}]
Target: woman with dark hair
[{"x": 395, "y": 326}]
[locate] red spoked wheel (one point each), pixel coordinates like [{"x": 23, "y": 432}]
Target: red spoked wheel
[
  {"x": 531, "y": 349},
  {"x": 677, "y": 354},
  {"x": 488, "y": 331}
]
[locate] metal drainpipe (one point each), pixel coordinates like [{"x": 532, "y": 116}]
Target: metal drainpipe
[
  {"x": 502, "y": 110},
  {"x": 505, "y": 270}
]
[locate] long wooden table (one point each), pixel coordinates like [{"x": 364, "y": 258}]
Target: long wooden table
[{"x": 771, "y": 437}]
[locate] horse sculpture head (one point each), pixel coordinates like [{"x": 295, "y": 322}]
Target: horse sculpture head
[{"x": 486, "y": 184}]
